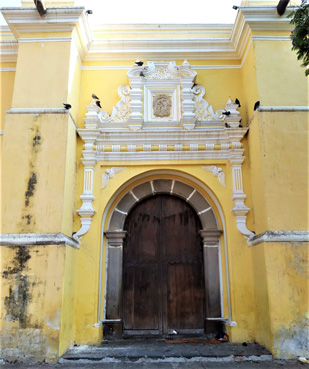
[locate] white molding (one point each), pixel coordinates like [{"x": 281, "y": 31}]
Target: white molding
[
  {"x": 271, "y": 38},
  {"x": 28, "y": 20},
  {"x": 283, "y": 108},
  {"x": 37, "y": 239},
  {"x": 38, "y": 111},
  {"x": 243, "y": 60},
  {"x": 8, "y": 69},
  {"x": 263, "y": 18},
  {"x": 61, "y": 19},
  {"x": 279, "y": 236},
  {"x": 47, "y": 39},
  {"x": 151, "y": 27},
  {"x": 8, "y": 51}
]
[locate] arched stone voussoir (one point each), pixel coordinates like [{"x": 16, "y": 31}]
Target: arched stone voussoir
[{"x": 161, "y": 186}]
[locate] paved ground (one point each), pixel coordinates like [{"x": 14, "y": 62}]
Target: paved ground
[{"x": 186, "y": 365}]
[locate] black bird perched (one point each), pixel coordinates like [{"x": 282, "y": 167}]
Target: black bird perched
[
  {"x": 98, "y": 104},
  {"x": 89, "y": 11},
  {"x": 282, "y": 6},
  {"x": 138, "y": 63},
  {"x": 226, "y": 112},
  {"x": 237, "y": 102},
  {"x": 142, "y": 74},
  {"x": 235, "y": 7},
  {"x": 67, "y": 106},
  {"x": 256, "y": 105},
  {"x": 95, "y": 97},
  {"x": 40, "y": 6},
  {"x": 227, "y": 125}
]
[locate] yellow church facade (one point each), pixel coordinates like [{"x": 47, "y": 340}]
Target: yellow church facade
[{"x": 111, "y": 207}]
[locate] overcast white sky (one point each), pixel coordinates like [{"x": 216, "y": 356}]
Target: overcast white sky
[{"x": 158, "y": 11}]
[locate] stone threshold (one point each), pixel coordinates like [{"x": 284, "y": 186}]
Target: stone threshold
[{"x": 152, "y": 350}]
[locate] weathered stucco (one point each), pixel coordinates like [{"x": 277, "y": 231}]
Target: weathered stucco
[{"x": 52, "y": 295}]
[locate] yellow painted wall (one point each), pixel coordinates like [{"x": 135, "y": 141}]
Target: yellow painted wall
[
  {"x": 280, "y": 79},
  {"x": 42, "y": 74},
  {"x": 31, "y": 295},
  {"x": 6, "y": 90},
  {"x": 40, "y": 168},
  {"x": 288, "y": 288},
  {"x": 284, "y": 149},
  {"x": 67, "y": 331}
]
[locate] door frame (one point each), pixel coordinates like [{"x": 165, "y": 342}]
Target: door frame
[{"x": 111, "y": 315}]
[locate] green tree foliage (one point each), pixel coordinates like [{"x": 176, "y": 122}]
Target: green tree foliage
[{"x": 300, "y": 35}]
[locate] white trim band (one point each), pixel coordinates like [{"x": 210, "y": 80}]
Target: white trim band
[
  {"x": 8, "y": 69},
  {"x": 37, "y": 111},
  {"x": 283, "y": 108},
  {"x": 37, "y": 239},
  {"x": 279, "y": 236},
  {"x": 47, "y": 39}
]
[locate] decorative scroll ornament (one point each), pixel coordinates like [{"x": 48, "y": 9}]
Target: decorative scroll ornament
[
  {"x": 109, "y": 173},
  {"x": 204, "y": 111},
  {"x": 217, "y": 172},
  {"x": 121, "y": 111}
]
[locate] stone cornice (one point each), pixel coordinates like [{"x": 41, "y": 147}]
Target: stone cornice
[
  {"x": 27, "y": 20},
  {"x": 265, "y": 18},
  {"x": 37, "y": 239},
  {"x": 223, "y": 143},
  {"x": 279, "y": 236},
  {"x": 8, "y": 51},
  {"x": 66, "y": 19}
]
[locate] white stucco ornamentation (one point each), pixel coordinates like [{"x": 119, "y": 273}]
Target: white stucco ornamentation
[
  {"x": 240, "y": 209},
  {"x": 186, "y": 128},
  {"x": 217, "y": 172},
  {"x": 121, "y": 111},
  {"x": 109, "y": 173},
  {"x": 204, "y": 111}
]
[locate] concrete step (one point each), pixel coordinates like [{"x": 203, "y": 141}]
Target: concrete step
[{"x": 160, "y": 351}]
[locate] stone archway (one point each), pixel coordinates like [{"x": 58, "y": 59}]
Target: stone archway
[{"x": 116, "y": 234}]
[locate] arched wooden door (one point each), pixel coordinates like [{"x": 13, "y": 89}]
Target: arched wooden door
[{"x": 163, "y": 268}]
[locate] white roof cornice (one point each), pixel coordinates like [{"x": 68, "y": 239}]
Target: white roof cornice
[
  {"x": 27, "y": 20},
  {"x": 265, "y": 18},
  {"x": 65, "y": 19}
]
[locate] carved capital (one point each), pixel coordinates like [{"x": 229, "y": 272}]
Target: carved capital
[
  {"x": 115, "y": 238},
  {"x": 210, "y": 236}
]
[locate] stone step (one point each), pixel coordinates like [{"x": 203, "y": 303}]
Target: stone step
[{"x": 160, "y": 351}]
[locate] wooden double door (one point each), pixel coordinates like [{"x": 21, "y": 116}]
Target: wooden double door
[{"x": 163, "y": 284}]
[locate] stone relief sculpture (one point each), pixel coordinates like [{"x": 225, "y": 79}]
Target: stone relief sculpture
[
  {"x": 217, "y": 172},
  {"x": 162, "y": 105},
  {"x": 109, "y": 173}
]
